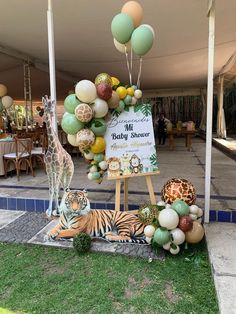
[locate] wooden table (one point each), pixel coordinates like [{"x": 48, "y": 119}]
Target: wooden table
[{"x": 187, "y": 134}]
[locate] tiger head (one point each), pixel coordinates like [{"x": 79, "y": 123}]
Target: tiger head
[{"x": 75, "y": 203}]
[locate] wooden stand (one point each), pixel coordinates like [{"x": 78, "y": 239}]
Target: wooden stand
[{"x": 126, "y": 185}]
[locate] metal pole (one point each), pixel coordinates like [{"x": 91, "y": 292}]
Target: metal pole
[
  {"x": 211, "y": 44},
  {"x": 51, "y": 52}
]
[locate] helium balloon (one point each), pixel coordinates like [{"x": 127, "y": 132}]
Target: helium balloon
[
  {"x": 134, "y": 10},
  {"x": 104, "y": 91},
  {"x": 138, "y": 94},
  {"x": 142, "y": 40},
  {"x": 113, "y": 102},
  {"x": 121, "y": 91},
  {"x": 168, "y": 218},
  {"x": 100, "y": 108},
  {"x": 3, "y": 90},
  {"x": 71, "y": 102},
  {"x": 122, "y": 27},
  {"x": 83, "y": 112},
  {"x": 86, "y": 91},
  {"x": 134, "y": 101},
  {"x": 70, "y": 124},
  {"x": 72, "y": 139},
  {"x": 196, "y": 234},
  {"x": 98, "y": 146},
  {"x": 7, "y": 101},
  {"x": 103, "y": 78},
  {"x": 114, "y": 81},
  {"x": 121, "y": 47},
  {"x": 151, "y": 29}
]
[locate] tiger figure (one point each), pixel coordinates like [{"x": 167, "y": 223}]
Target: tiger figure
[{"x": 77, "y": 217}]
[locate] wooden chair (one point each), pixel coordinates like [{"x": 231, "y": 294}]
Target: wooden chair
[
  {"x": 39, "y": 149},
  {"x": 22, "y": 154}
]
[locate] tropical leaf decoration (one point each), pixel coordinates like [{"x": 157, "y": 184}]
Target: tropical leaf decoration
[
  {"x": 146, "y": 109},
  {"x": 153, "y": 160},
  {"x": 116, "y": 113}
]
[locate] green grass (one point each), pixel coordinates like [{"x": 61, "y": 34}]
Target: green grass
[{"x": 37, "y": 279}]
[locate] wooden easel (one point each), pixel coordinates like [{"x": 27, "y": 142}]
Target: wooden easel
[{"x": 126, "y": 186}]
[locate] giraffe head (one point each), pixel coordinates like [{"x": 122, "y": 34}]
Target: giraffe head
[{"x": 48, "y": 104}]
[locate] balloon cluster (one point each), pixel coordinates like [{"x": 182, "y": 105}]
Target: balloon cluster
[
  {"x": 128, "y": 32},
  {"x": 5, "y": 101},
  {"x": 85, "y": 118},
  {"x": 176, "y": 223}
]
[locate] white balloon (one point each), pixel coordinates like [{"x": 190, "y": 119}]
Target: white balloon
[
  {"x": 100, "y": 108},
  {"x": 90, "y": 176},
  {"x": 121, "y": 48},
  {"x": 161, "y": 203},
  {"x": 103, "y": 165},
  {"x": 86, "y": 91},
  {"x": 149, "y": 231},
  {"x": 3, "y": 90},
  {"x": 89, "y": 156},
  {"x": 178, "y": 236},
  {"x": 194, "y": 217},
  {"x": 168, "y": 218},
  {"x": 148, "y": 240},
  {"x": 193, "y": 209},
  {"x": 93, "y": 169},
  {"x": 200, "y": 212},
  {"x": 151, "y": 28},
  {"x": 7, "y": 101},
  {"x": 134, "y": 101},
  {"x": 175, "y": 251},
  {"x": 72, "y": 139},
  {"x": 138, "y": 94},
  {"x": 167, "y": 246}
]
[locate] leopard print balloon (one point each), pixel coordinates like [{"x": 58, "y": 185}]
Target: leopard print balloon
[
  {"x": 83, "y": 113},
  {"x": 177, "y": 188}
]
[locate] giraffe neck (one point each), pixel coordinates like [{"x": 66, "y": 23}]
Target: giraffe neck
[{"x": 52, "y": 136}]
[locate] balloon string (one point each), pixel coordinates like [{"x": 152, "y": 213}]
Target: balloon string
[
  {"x": 140, "y": 71},
  {"x": 127, "y": 61},
  {"x": 131, "y": 66}
]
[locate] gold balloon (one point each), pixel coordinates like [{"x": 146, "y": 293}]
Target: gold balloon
[
  {"x": 103, "y": 78},
  {"x": 196, "y": 234}
]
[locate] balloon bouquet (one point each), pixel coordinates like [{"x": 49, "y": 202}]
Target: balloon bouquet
[
  {"x": 175, "y": 220},
  {"x": 5, "y": 101},
  {"x": 88, "y": 108}
]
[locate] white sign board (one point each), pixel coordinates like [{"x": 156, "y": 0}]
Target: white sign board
[{"x": 130, "y": 143}]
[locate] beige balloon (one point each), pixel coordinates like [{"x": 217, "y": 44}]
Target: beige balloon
[
  {"x": 7, "y": 101},
  {"x": 72, "y": 139},
  {"x": 121, "y": 48},
  {"x": 113, "y": 102},
  {"x": 3, "y": 90},
  {"x": 196, "y": 234},
  {"x": 134, "y": 10}
]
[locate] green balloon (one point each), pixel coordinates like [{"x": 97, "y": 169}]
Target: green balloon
[
  {"x": 70, "y": 124},
  {"x": 71, "y": 102},
  {"x": 121, "y": 106},
  {"x": 142, "y": 40},
  {"x": 180, "y": 207},
  {"x": 128, "y": 100},
  {"x": 161, "y": 236},
  {"x": 122, "y": 27},
  {"x": 98, "y": 157},
  {"x": 98, "y": 126}
]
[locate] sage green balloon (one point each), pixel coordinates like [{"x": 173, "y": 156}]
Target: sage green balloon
[
  {"x": 128, "y": 100},
  {"x": 70, "y": 124},
  {"x": 142, "y": 40},
  {"x": 122, "y": 27},
  {"x": 71, "y": 102}
]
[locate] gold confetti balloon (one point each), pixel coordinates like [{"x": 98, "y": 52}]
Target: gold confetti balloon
[{"x": 103, "y": 78}]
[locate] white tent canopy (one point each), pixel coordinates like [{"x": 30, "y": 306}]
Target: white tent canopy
[{"x": 84, "y": 45}]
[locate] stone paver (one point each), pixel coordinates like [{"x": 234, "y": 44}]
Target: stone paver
[
  {"x": 221, "y": 243},
  {"x": 23, "y": 228},
  {"x": 6, "y": 216}
]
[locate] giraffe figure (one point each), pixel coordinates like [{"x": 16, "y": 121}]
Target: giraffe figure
[{"x": 59, "y": 165}]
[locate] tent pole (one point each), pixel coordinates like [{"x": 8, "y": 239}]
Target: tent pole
[
  {"x": 211, "y": 43},
  {"x": 51, "y": 52}
]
